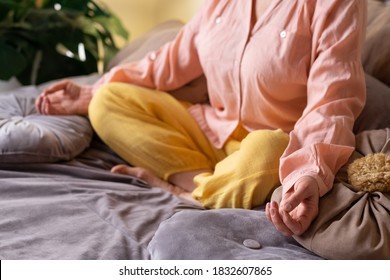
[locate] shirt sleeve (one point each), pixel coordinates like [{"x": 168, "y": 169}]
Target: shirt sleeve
[
  {"x": 173, "y": 65},
  {"x": 322, "y": 139}
]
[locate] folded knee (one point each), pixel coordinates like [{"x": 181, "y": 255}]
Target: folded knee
[
  {"x": 269, "y": 143},
  {"x": 98, "y": 108}
]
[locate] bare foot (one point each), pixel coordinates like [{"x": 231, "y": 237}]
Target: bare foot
[{"x": 153, "y": 181}]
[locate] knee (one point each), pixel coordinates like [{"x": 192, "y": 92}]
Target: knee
[
  {"x": 99, "y": 107},
  {"x": 111, "y": 99},
  {"x": 268, "y": 143}
]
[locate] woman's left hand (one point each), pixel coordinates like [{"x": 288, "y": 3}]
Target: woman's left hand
[
  {"x": 298, "y": 207},
  {"x": 64, "y": 98}
]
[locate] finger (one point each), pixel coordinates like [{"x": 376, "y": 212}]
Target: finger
[
  {"x": 56, "y": 97},
  {"x": 267, "y": 212},
  {"x": 278, "y": 221},
  {"x": 301, "y": 192},
  {"x": 296, "y": 227},
  {"x": 42, "y": 105},
  {"x": 38, "y": 104},
  {"x": 51, "y": 108},
  {"x": 56, "y": 87},
  {"x": 46, "y": 106}
]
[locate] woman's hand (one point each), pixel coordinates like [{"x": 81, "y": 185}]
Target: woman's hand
[
  {"x": 298, "y": 207},
  {"x": 64, "y": 98}
]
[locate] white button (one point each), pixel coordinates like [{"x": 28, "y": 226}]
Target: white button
[
  {"x": 283, "y": 34},
  {"x": 252, "y": 244},
  {"x": 152, "y": 56},
  {"x": 218, "y": 20}
]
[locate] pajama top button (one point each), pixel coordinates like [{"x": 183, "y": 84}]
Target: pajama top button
[{"x": 152, "y": 56}]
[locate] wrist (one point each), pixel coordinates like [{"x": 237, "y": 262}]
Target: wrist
[
  {"x": 313, "y": 182},
  {"x": 84, "y": 100}
]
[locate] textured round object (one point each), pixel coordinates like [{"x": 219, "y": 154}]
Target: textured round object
[
  {"x": 26, "y": 136},
  {"x": 370, "y": 173}
]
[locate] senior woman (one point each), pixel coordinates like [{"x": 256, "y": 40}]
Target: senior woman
[{"x": 285, "y": 84}]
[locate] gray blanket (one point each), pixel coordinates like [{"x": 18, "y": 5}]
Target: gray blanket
[{"x": 79, "y": 210}]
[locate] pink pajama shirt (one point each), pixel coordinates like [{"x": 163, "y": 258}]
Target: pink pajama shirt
[{"x": 298, "y": 69}]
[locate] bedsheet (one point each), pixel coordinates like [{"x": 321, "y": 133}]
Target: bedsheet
[{"x": 79, "y": 210}]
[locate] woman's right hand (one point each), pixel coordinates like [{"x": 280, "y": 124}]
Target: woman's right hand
[
  {"x": 64, "y": 98},
  {"x": 298, "y": 208}
]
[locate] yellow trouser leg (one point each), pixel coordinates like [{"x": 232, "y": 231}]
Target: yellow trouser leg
[
  {"x": 247, "y": 177},
  {"x": 151, "y": 129}
]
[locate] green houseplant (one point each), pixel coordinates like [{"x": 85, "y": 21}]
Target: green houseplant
[{"x": 42, "y": 40}]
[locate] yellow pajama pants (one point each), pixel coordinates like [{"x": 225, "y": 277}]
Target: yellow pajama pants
[{"x": 153, "y": 130}]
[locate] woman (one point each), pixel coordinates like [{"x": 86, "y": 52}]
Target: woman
[{"x": 285, "y": 84}]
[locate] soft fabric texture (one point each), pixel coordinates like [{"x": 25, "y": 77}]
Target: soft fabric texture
[
  {"x": 247, "y": 176},
  {"x": 375, "y": 114},
  {"x": 290, "y": 38},
  {"x": 223, "y": 234},
  {"x": 167, "y": 143},
  {"x": 195, "y": 91},
  {"x": 376, "y": 48},
  {"x": 78, "y": 210},
  {"x": 26, "y": 136},
  {"x": 151, "y": 129},
  {"x": 352, "y": 224},
  {"x": 376, "y": 56}
]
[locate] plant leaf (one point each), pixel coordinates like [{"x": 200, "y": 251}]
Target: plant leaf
[
  {"x": 77, "y": 5},
  {"x": 63, "y": 66},
  {"x": 112, "y": 24},
  {"x": 12, "y": 62},
  {"x": 56, "y": 29}
]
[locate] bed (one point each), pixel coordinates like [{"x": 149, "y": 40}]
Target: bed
[{"x": 58, "y": 199}]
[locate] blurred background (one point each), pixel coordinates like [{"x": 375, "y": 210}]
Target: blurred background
[
  {"x": 139, "y": 16},
  {"x": 38, "y": 36}
]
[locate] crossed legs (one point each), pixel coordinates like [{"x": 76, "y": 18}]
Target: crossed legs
[{"x": 154, "y": 132}]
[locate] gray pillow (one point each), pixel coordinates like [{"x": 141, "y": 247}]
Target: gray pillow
[
  {"x": 223, "y": 234},
  {"x": 376, "y": 48},
  {"x": 375, "y": 114},
  {"x": 26, "y": 136}
]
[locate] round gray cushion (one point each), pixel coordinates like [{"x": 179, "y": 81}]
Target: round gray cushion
[
  {"x": 223, "y": 234},
  {"x": 26, "y": 136}
]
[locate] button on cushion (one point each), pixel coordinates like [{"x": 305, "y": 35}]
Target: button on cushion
[{"x": 252, "y": 244}]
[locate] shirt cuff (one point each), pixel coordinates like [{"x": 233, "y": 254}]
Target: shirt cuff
[{"x": 290, "y": 180}]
